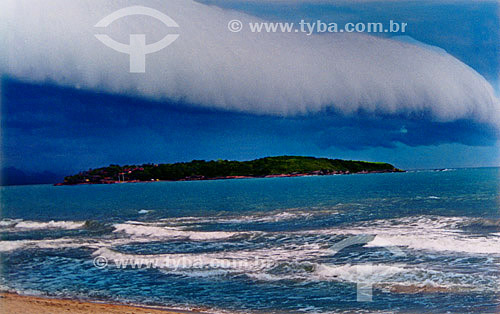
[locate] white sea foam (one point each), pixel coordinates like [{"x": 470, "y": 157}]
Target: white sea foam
[
  {"x": 345, "y": 272},
  {"x": 388, "y": 276},
  {"x": 422, "y": 233},
  {"x": 380, "y": 275},
  {"x": 271, "y": 217},
  {"x": 357, "y": 273},
  {"x": 260, "y": 217},
  {"x": 6, "y": 223},
  {"x": 138, "y": 229},
  {"x": 197, "y": 273},
  {"x": 61, "y": 243},
  {"x": 403, "y": 275},
  {"x": 40, "y": 225},
  {"x": 435, "y": 242},
  {"x": 6, "y": 246},
  {"x": 176, "y": 262},
  {"x": 50, "y": 225},
  {"x": 242, "y": 261},
  {"x": 289, "y": 260},
  {"x": 293, "y": 255}
]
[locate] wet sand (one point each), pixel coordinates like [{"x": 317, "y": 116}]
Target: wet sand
[{"x": 17, "y": 304}]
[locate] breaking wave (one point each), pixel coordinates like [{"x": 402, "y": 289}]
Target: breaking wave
[
  {"x": 433, "y": 233},
  {"x": 141, "y": 229},
  {"x": 39, "y": 225}
]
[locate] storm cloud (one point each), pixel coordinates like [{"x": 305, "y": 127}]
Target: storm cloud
[{"x": 265, "y": 73}]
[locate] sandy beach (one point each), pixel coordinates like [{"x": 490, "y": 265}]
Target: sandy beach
[{"x": 17, "y": 304}]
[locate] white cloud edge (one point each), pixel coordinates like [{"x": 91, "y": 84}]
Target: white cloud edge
[{"x": 212, "y": 67}]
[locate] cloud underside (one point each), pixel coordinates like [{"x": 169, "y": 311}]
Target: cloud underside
[
  {"x": 39, "y": 117},
  {"x": 272, "y": 74}
]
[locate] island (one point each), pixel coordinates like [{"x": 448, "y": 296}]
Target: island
[{"x": 268, "y": 167}]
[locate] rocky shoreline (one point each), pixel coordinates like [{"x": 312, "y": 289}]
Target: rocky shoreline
[{"x": 203, "y": 178}]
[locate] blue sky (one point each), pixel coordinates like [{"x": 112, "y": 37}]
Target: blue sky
[{"x": 53, "y": 124}]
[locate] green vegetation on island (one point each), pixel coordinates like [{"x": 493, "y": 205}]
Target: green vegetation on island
[{"x": 285, "y": 166}]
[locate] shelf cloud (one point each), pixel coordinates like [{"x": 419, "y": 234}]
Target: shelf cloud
[{"x": 259, "y": 73}]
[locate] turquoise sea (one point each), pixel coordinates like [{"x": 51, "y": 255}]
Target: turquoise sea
[{"x": 414, "y": 242}]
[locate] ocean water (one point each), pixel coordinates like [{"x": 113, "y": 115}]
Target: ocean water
[{"x": 415, "y": 242}]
